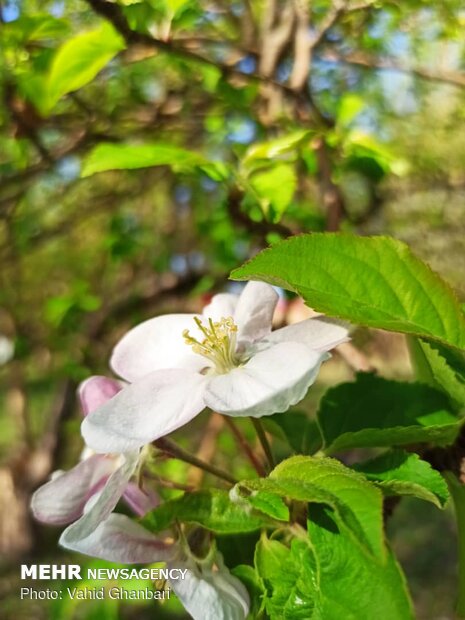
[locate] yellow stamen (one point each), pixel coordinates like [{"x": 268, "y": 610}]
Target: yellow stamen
[{"x": 219, "y": 344}]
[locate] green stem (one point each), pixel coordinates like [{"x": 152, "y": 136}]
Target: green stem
[
  {"x": 457, "y": 491},
  {"x": 172, "y": 449},
  {"x": 264, "y": 441}
]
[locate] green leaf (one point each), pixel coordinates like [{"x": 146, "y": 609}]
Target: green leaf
[
  {"x": 80, "y": 59},
  {"x": 349, "y": 106},
  {"x": 374, "y": 281},
  {"x": 356, "y": 502},
  {"x": 110, "y": 156},
  {"x": 175, "y": 6},
  {"x": 288, "y": 577},
  {"x": 216, "y": 170},
  {"x": 275, "y": 189},
  {"x": 271, "y": 504},
  {"x": 39, "y": 27},
  {"x": 295, "y": 427},
  {"x": 359, "y": 144},
  {"x": 441, "y": 367},
  {"x": 352, "y": 584},
  {"x": 401, "y": 473},
  {"x": 377, "y": 412},
  {"x": 274, "y": 148},
  {"x": 210, "y": 509},
  {"x": 34, "y": 88},
  {"x": 328, "y": 577}
]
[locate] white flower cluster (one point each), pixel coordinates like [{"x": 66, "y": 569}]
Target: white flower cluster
[{"x": 172, "y": 367}]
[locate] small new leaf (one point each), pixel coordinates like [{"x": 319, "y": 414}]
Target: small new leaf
[
  {"x": 270, "y": 504},
  {"x": 109, "y": 156},
  {"x": 357, "y": 503},
  {"x": 211, "y": 509},
  {"x": 274, "y": 189},
  {"x": 289, "y": 579},
  {"x": 80, "y": 59},
  {"x": 352, "y": 584},
  {"x": 275, "y": 148}
]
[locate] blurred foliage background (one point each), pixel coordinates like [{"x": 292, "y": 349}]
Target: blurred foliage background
[{"x": 147, "y": 147}]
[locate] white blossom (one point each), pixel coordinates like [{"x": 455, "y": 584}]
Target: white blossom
[{"x": 228, "y": 359}]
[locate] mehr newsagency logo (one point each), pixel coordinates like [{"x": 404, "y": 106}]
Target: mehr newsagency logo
[{"x": 39, "y": 572}]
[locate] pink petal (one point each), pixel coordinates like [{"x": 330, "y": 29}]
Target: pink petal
[
  {"x": 62, "y": 500},
  {"x": 156, "y": 344},
  {"x": 95, "y": 391},
  {"x": 140, "y": 501},
  {"x": 152, "y": 407},
  {"x": 254, "y": 311},
  {"x": 119, "y": 539},
  {"x": 270, "y": 382},
  {"x": 100, "y": 506}
]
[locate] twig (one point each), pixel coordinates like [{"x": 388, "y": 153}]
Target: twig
[
  {"x": 329, "y": 21},
  {"x": 248, "y": 23},
  {"x": 276, "y": 33},
  {"x": 332, "y": 198},
  {"x": 113, "y": 13},
  {"x": 456, "y": 78},
  {"x": 242, "y": 441},
  {"x": 338, "y": 9},
  {"x": 170, "y": 448},
  {"x": 168, "y": 484},
  {"x": 302, "y": 47},
  {"x": 264, "y": 441},
  {"x": 207, "y": 447}
]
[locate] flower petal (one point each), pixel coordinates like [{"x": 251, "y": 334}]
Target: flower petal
[
  {"x": 119, "y": 539},
  {"x": 106, "y": 501},
  {"x": 211, "y": 594},
  {"x": 140, "y": 501},
  {"x": 95, "y": 391},
  {"x": 62, "y": 500},
  {"x": 152, "y": 407},
  {"x": 319, "y": 333},
  {"x": 270, "y": 382},
  {"x": 254, "y": 311},
  {"x": 221, "y": 306},
  {"x": 156, "y": 344}
]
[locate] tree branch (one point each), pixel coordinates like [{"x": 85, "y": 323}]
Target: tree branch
[
  {"x": 329, "y": 21},
  {"x": 302, "y": 47},
  {"x": 276, "y": 32},
  {"x": 169, "y": 447},
  {"x": 112, "y": 12},
  {"x": 339, "y": 8},
  {"x": 456, "y": 78}
]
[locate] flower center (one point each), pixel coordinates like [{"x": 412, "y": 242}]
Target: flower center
[{"x": 218, "y": 345}]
